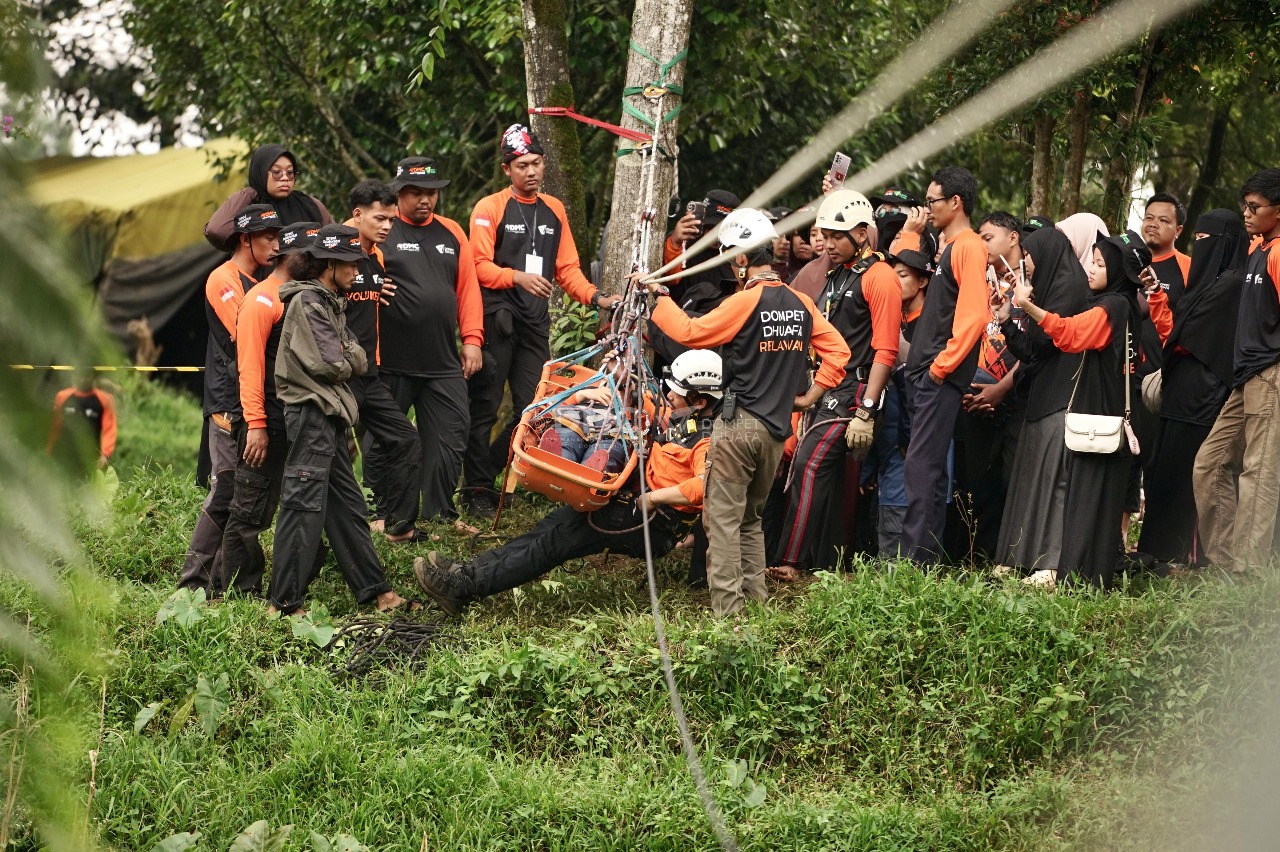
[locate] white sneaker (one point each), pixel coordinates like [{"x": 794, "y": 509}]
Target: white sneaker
[
  {"x": 1002, "y": 571},
  {"x": 1045, "y": 578}
]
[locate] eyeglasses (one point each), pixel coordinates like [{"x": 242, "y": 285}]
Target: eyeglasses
[
  {"x": 283, "y": 174},
  {"x": 929, "y": 202},
  {"x": 1252, "y": 209}
]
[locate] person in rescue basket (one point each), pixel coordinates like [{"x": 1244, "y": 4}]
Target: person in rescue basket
[
  {"x": 273, "y": 174},
  {"x": 257, "y": 229},
  {"x": 674, "y": 466},
  {"x": 1105, "y": 332},
  {"x": 1199, "y": 341},
  {"x": 436, "y": 301},
  {"x": 393, "y": 470},
  {"x": 863, "y": 300},
  {"x": 1246, "y": 436},
  {"x": 765, "y": 330},
  {"x": 261, "y": 441},
  {"x": 522, "y": 244},
  {"x": 944, "y": 355},
  {"x": 319, "y": 495}
]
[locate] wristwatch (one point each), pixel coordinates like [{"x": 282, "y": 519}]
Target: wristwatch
[
  {"x": 662, "y": 290},
  {"x": 595, "y": 299},
  {"x": 867, "y": 410}
]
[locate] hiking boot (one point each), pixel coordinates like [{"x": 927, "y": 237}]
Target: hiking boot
[
  {"x": 446, "y": 582},
  {"x": 481, "y": 503}
]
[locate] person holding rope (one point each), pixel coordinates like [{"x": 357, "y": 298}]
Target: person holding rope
[
  {"x": 765, "y": 330},
  {"x": 862, "y": 298},
  {"x": 674, "y": 468},
  {"x": 522, "y": 243}
]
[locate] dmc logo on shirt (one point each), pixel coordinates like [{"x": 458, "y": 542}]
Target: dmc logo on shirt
[
  {"x": 515, "y": 229},
  {"x": 408, "y": 247},
  {"x": 546, "y": 229},
  {"x": 444, "y": 249}
]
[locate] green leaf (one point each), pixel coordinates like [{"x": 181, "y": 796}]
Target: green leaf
[
  {"x": 320, "y": 843},
  {"x": 314, "y": 627},
  {"x": 755, "y": 798},
  {"x": 735, "y": 772},
  {"x": 181, "y": 715},
  {"x": 428, "y": 65},
  {"x": 177, "y": 842},
  {"x": 144, "y": 716},
  {"x": 212, "y": 700},
  {"x": 260, "y": 838},
  {"x": 183, "y": 606},
  {"x": 347, "y": 843}
]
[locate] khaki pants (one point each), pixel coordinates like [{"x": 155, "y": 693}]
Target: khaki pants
[
  {"x": 1238, "y": 531},
  {"x": 741, "y": 467}
]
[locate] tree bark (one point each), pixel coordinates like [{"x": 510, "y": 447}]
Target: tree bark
[
  {"x": 1073, "y": 174},
  {"x": 546, "y": 71},
  {"x": 661, "y": 29},
  {"x": 1209, "y": 171},
  {"x": 1041, "y": 164},
  {"x": 1119, "y": 183}
]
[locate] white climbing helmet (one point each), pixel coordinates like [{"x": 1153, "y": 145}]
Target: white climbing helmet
[
  {"x": 844, "y": 210},
  {"x": 698, "y": 370},
  {"x": 744, "y": 227}
]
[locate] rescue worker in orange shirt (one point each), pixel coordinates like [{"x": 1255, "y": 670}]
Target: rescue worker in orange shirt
[
  {"x": 765, "y": 331},
  {"x": 862, "y": 298},
  {"x": 522, "y": 243},
  {"x": 83, "y": 433},
  {"x": 674, "y": 466},
  {"x": 257, "y": 229}
]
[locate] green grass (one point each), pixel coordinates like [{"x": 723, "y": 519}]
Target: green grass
[{"x": 895, "y": 711}]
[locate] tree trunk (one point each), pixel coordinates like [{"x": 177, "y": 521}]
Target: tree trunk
[
  {"x": 1119, "y": 182},
  {"x": 546, "y": 71},
  {"x": 1074, "y": 172},
  {"x": 1209, "y": 171},
  {"x": 661, "y": 29},
  {"x": 1041, "y": 164}
]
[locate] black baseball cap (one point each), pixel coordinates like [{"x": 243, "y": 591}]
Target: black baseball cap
[
  {"x": 896, "y": 196},
  {"x": 1035, "y": 223},
  {"x": 418, "y": 171},
  {"x": 257, "y": 217},
  {"x": 775, "y": 214},
  {"x": 913, "y": 259},
  {"x": 297, "y": 236},
  {"x": 336, "y": 242},
  {"x": 720, "y": 203}
]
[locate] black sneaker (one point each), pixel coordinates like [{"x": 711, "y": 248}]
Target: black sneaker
[
  {"x": 445, "y": 582},
  {"x": 482, "y": 503}
]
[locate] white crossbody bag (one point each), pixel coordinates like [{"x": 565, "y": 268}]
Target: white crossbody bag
[{"x": 1100, "y": 433}]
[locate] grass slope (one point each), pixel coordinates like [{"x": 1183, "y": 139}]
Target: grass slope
[{"x": 867, "y": 711}]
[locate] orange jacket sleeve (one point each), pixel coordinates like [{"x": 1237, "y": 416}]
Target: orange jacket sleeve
[
  {"x": 712, "y": 329},
  {"x": 1184, "y": 263},
  {"x": 670, "y": 251},
  {"x": 1080, "y": 333},
  {"x": 107, "y": 445},
  {"x": 905, "y": 241},
  {"x": 225, "y": 292},
  {"x": 55, "y": 428},
  {"x": 973, "y": 312},
  {"x": 1273, "y": 265},
  {"x": 1158, "y": 302},
  {"x": 259, "y": 314},
  {"x": 568, "y": 265},
  {"x": 485, "y": 219},
  {"x": 830, "y": 345},
  {"x": 470, "y": 305},
  {"x": 694, "y": 487},
  {"x": 883, "y": 292}
]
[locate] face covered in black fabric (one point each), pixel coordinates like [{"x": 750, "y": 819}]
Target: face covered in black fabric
[
  {"x": 294, "y": 207},
  {"x": 1224, "y": 247}
]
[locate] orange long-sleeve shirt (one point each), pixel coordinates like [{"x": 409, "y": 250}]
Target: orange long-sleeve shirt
[
  {"x": 1183, "y": 261},
  {"x": 261, "y": 312},
  {"x": 224, "y": 290},
  {"x": 1080, "y": 333},
  {"x": 1161, "y": 315},
  {"x": 89, "y": 402},
  {"x": 973, "y": 311},
  {"x": 489, "y": 215},
  {"x": 883, "y": 292},
  {"x": 684, "y": 467}
]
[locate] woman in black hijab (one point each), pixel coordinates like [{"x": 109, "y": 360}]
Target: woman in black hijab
[
  {"x": 1105, "y": 332},
  {"x": 1196, "y": 379},
  {"x": 273, "y": 172}
]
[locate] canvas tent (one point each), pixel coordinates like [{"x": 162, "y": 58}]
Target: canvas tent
[{"x": 134, "y": 225}]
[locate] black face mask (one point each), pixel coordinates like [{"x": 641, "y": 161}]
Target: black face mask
[{"x": 889, "y": 223}]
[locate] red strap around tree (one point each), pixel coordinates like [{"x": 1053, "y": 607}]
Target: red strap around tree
[{"x": 567, "y": 112}]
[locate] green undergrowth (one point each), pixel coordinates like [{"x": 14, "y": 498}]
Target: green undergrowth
[{"x": 874, "y": 709}]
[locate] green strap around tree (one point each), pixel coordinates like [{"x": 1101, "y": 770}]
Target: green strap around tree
[{"x": 630, "y": 91}]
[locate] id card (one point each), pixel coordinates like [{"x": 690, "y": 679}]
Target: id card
[{"x": 533, "y": 264}]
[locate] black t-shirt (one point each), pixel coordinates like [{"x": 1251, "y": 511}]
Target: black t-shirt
[
  {"x": 765, "y": 363},
  {"x": 362, "y": 308},
  {"x": 1258, "y": 324},
  {"x": 418, "y": 331},
  {"x": 525, "y": 229}
]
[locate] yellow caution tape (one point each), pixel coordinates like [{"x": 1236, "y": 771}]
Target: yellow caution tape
[{"x": 107, "y": 369}]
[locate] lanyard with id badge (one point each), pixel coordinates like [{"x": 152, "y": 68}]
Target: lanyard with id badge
[{"x": 532, "y": 260}]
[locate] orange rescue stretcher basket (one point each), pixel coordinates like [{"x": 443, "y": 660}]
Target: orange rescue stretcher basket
[{"x": 549, "y": 474}]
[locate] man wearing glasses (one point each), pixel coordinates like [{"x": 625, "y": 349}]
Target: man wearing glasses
[
  {"x": 1246, "y": 435},
  {"x": 944, "y": 355}
]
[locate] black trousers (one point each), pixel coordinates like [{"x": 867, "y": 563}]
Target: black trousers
[
  {"x": 202, "y": 567},
  {"x": 933, "y": 420},
  {"x": 319, "y": 495},
  {"x": 814, "y": 532},
  {"x": 393, "y": 458},
  {"x": 569, "y": 534},
  {"x": 253, "y": 508},
  {"x": 1169, "y": 527},
  {"x": 518, "y": 353},
  {"x": 1091, "y": 542},
  {"x": 984, "y": 451},
  {"x": 440, "y": 409}
]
